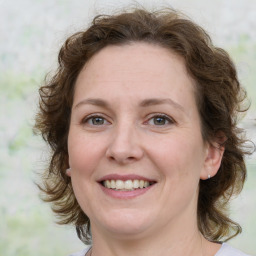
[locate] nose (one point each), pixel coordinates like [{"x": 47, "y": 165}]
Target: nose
[{"x": 125, "y": 146}]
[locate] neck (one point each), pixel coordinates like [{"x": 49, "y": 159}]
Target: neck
[{"x": 187, "y": 241}]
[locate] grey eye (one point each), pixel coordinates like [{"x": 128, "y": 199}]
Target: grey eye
[
  {"x": 160, "y": 120},
  {"x": 97, "y": 120}
]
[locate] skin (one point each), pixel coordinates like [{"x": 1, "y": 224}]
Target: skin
[{"x": 128, "y": 140}]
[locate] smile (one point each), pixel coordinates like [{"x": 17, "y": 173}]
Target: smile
[{"x": 126, "y": 185}]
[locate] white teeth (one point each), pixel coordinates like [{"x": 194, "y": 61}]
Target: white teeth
[
  {"x": 125, "y": 185},
  {"x": 113, "y": 184},
  {"x": 136, "y": 184},
  {"x": 119, "y": 184},
  {"x": 108, "y": 184},
  {"x": 128, "y": 184},
  {"x": 146, "y": 184}
]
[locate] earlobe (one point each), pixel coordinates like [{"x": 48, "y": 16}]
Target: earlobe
[
  {"x": 214, "y": 155},
  {"x": 68, "y": 172}
]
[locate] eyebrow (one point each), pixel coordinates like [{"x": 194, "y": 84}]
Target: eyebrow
[
  {"x": 144, "y": 103},
  {"x": 96, "y": 102},
  {"x": 156, "y": 101}
]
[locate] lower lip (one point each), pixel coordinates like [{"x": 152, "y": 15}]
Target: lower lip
[{"x": 125, "y": 194}]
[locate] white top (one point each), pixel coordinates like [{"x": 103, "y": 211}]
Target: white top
[{"x": 225, "y": 250}]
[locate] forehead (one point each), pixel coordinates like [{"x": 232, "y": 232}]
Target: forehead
[
  {"x": 138, "y": 69},
  {"x": 136, "y": 57}
]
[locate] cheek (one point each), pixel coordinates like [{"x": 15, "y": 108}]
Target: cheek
[
  {"x": 178, "y": 155},
  {"x": 83, "y": 153},
  {"x": 83, "y": 160}
]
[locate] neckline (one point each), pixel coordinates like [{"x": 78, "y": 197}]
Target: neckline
[{"x": 223, "y": 246}]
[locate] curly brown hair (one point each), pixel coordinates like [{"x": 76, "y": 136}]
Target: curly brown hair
[{"x": 218, "y": 95}]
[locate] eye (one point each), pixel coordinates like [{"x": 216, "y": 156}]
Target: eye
[
  {"x": 95, "y": 120},
  {"x": 160, "y": 120}
]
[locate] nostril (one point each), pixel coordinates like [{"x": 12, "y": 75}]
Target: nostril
[
  {"x": 124, "y": 153},
  {"x": 130, "y": 158}
]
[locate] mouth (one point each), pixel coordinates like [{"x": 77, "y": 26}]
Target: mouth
[{"x": 126, "y": 185}]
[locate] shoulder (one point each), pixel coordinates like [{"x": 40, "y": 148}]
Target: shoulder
[
  {"x": 81, "y": 253},
  {"x": 227, "y": 250}
]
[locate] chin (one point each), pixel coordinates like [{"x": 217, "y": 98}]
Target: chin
[{"x": 126, "y": 224}]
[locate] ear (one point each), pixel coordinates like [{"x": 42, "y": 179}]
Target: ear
[
  {"x": 68, "y": 172},
  {"x": 213, "y": 158}
]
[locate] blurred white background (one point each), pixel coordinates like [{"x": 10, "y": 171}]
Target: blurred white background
[{"x": 31, "y": 33}]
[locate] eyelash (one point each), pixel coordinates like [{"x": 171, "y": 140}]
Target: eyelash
[
  {"x": 91, "y": 117},
  {"x": 163, "y": 116},
  {"x": 154, "y": 116}
]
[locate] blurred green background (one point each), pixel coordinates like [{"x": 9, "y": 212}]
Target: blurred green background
[{"x": 31, "y": 32}]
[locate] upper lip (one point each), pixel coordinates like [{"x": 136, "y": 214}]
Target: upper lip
[{"x": 125, "y": 177}]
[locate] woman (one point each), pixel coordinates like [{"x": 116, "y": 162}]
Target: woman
[{"x": 141, "y": 116}]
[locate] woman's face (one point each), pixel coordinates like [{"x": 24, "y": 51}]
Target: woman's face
[{"x": 135, "y": 123}]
